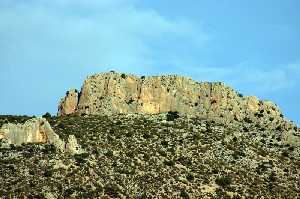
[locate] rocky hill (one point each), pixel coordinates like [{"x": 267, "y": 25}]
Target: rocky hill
[
  {"x": 124, "y": 136},
  {"x": 109, "y": 93}
]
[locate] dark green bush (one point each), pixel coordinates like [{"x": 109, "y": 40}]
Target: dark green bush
[
  {"x": 130, "y": 101},
  {"x": 81, "y": 158},
  {"x": 184, "y": 194},
  {"x": 223, "y": 181},
  {"x": 109, "y": 153},
  {"x": 172, "y": 115},
  {"x": 189, "y": 177},
  {"x": 47, "y": 115},
  {"x": 169, "y": 163},
  {"x": 111, "y": 190},
  {"x": 48, "y": 172}
]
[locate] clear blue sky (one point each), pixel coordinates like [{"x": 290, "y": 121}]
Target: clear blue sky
[{"x": 47, "y": 47}]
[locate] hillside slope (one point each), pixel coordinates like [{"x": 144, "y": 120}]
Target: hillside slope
[{"x": 156, "y": 156}]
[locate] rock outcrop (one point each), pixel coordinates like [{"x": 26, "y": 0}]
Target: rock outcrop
[
  {"x": 72, "y": 146},
  {"x": 36, "y": 130},
  {"x": 108, "y": 93},
  {"x": 68, "y": 104}
]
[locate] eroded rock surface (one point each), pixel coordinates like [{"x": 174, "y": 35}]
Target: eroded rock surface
[
  {"x": 69, "y": 103},
  {"x": 72, "y": 146},
  {"x": 108, "y": 93},
  {"x": 36, "y": 130}
]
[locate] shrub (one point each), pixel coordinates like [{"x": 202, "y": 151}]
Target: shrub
[
  {"x": 189, "y": 177},
  {"x": 47, "y": 115},
  {"x": 147, "y": 136},
  {"x": 169, "y": 163},
  {"x": 81, "y": 158},
  {"x": 111, "y": 190},
  {"x": 172, "y": 115},
  {"x": 48, "y": 172},
  {"x": 285, "y": 154},
  {"x": 223, "y": 181},
  {"x": 248, "y": 120},
  {"x": 184, "y": 194},
  {"x": 109, "y": 153},
  {"x": 123, "y": 76},
  {"x": 130, "y": 101},
  {"x": 164, "y": 143}
]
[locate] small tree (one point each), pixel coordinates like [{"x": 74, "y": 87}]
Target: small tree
[
  {"x": 47, "y": 115},
  {"x": 123, "y": 76}
]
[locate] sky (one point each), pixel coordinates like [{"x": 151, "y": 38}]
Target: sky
[{"x": 48, "y": 47}]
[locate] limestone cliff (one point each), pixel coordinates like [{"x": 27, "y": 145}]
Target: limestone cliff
[
  {"x": 36, "y": 130},
  {"x": 68, "y": 104},
  {"x": 108, "y": 93}
]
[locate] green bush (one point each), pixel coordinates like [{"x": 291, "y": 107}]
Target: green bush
[
  {"x": 47, "y": 115},
  {"x": 172, "y": 115},
  {"x": 81, "y": 158},
  {"x": 123, "y": 76},
  {"x": 169, "y": 163},
  {"x": 184, "y": 194},
  {"x": 223, "y": 181}
]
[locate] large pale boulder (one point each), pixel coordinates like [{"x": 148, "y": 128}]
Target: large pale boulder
[
  {"x": 72, "y": 146},
  {"x": 36, "y": 130}
]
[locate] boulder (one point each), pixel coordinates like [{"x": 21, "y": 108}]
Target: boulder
[
  {"x": 72, "y": 146},
  {"x": 36, "y": 130}
]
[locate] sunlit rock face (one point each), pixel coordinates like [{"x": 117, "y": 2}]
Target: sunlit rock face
[
  {"x": 69, "y": 103},
  {"x": 36, "y": 130},
  {"x": 109, "y": 93}
]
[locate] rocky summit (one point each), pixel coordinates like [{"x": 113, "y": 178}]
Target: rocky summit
[
  {"x": 109, "y": 93},
  {"x": 123, "y": 136}
]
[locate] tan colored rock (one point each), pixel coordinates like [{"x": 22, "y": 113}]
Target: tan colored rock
[
  {"x": 252, "y": 103},
  {"x": 72, "y": 146},
  {"x": 2, "y": 135},
  {"x": 36, "y": 130},
  {"x": 109, "y": 93},
  {"x": 68, "y": 104}
]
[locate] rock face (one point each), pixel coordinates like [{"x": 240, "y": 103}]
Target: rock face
[
  {"x": 108, "y": 93},
  {"x": 68, "y": 104},
  {"x": 36, "y": 130},
  {"x": 72, "y": 146}
]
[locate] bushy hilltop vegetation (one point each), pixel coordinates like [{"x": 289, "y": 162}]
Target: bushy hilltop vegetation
[{"x": 156, "y": 156}]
